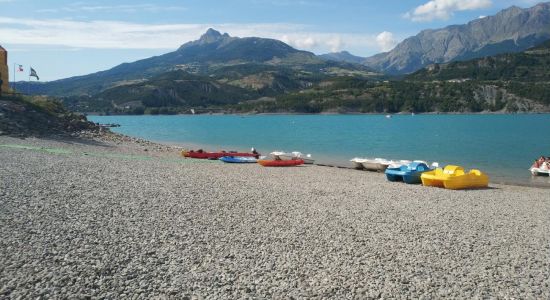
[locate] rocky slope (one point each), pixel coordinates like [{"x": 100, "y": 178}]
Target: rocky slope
[
  {"x": 39, "y": 116},
  {"x": 511, "y": 30}
]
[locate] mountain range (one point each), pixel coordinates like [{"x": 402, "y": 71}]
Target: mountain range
[
  {"x": 208, "y": 55},
  {"x": 513, "y": 82},
  {"x": 220, "y": 71},
  {"x": 511, "y": 30}
]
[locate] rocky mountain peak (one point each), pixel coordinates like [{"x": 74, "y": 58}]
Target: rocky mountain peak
[
  {"x": 509, "y": 12},
  {"x": 211, "y": 35}
]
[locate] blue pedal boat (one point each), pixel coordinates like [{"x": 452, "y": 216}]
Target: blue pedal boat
[
  {"x": 407, "y": 173},
  {"x": 238, "y": 159}
]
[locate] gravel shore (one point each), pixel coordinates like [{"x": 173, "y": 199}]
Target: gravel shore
[{"x": 126, "y": 219}]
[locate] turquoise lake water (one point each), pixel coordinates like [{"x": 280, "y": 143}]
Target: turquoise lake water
[{"x": 504, "y": 146}]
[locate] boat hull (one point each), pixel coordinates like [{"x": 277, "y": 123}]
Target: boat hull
[
  {"x": 307, "y": 161},
  {"x": 375, "y": 166},
  {"x": 539, "y": 172},
  {"x": 293, "y": 155},
  {"x": 238, "y": 160},
  {"x": 413, "y": 178},
  {"x": 280, "y": 163},
  {"x": 358, "y": 163}
]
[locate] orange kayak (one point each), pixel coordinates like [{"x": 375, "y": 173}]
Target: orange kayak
[{"x": 280, "y": 163}]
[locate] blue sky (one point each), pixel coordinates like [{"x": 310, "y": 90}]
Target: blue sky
[{"x": 63, "y": 38}]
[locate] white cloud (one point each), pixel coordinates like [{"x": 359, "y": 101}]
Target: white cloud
[
  {"x": 444, "y": 9},
  {"x": 313, "y": 41},
  {"x": 126, "y": 35},
  {"x": 386, "y": 41},
  {"x": 336, "y": 44},
  {"x": 301, "y": 42}
]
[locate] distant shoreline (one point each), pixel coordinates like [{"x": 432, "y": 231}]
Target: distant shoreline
[
  {"x": 324, "y": 114},
  {"x": 125, "y": 139}
]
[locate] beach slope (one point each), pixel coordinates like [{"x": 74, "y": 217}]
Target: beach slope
[{"x": 125, "y": 219}]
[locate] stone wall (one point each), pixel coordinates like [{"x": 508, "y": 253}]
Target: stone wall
[{"x": 4, "y": 71}]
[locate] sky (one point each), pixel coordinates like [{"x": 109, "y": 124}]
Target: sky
[{"x": 64, "y": 38}]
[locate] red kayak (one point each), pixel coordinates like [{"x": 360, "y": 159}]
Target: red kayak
[
  {"x": 215, "y": 155},
  {"x": 280, "y": 163}
]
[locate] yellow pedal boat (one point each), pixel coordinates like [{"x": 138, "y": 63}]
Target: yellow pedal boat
[{"x": 455, "y": 178}]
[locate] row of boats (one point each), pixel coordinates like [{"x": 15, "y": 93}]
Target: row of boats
[
  {"x": 411, "y": 172},
  {"x": 418, "y": 172},
  {"x": 381, "y": 164},
  {"x": 276, "y": 159}
]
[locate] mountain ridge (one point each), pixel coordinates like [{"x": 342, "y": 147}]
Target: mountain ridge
[{"x": 510, "y": 30}]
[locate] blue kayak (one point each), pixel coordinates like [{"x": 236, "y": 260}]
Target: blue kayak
[
  {"x": 407, "y": 173},
  {"x": 238, "y": 159}
]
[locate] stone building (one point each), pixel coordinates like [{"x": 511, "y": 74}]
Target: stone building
[{"x": 4, "y": 71}]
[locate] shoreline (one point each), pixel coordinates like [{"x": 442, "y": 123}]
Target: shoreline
[
  {"x": 168, "y": 146},
  {"x": 176, "y": 147},
  {"x": 209, "y": 147},
  {"x": 327, "y": 114}
]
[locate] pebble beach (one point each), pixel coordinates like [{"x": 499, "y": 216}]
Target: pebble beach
[{"x": 120, "y": 218}]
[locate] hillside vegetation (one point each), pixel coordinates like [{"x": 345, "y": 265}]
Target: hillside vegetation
[
  {"x": 504, "y": 83},
  {"x": 24, "y": 116}
]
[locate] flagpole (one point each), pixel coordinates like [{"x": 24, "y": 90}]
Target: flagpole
[
  {"x": 29, "y": 84},
  {"x": 13, "y": 85}
]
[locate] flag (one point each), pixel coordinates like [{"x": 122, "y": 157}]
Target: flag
[
  {"x": 20, "y": 68},
  {"x": 33, "y": 74}
]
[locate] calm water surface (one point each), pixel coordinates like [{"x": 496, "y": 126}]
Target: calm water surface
[{"x": 504, "y": 146}]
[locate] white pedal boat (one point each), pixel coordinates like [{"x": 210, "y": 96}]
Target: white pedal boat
[
  {"x": 358, "y": 162},
  {"x": 293, "y": 155},
  {"x": 377, "y": 164}
]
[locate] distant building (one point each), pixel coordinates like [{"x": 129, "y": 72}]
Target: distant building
[{"x": 4, "y": 71}]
